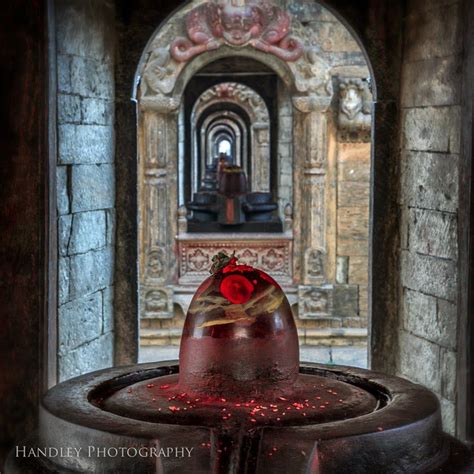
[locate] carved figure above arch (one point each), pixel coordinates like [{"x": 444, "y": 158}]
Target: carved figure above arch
[{"x": 260, "y": 25}]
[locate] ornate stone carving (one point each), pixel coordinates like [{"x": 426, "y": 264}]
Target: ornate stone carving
[
  {"x": 311, "y": 103},
  {"x": 260, "y": 25},
  {"x": 271, "y": 255},
  {"x": 354, "y": 116},
  {"x": 158, "y": 303},
  {"x": 312, "y": 74},
  {"x": 159, "y": 74},
  {"x": 314, "y": 302},
  {"x": 156, "y": 264},
  {"x": 241, "y": 94},
  {"x": 314, "y": 265}
]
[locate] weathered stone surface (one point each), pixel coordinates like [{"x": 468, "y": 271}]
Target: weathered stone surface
[
  {"x": 419, "y": 360},
  {"x": 91, "y": 78},
  {"x": 342, "y": 270},
  {"x": 93, "y": 187},
  {"x": 448, "y": 374},
  {"x": 97, "y": 111},
  {"x": 95, "y": 355},
  {"x": 110, "y": 215},
  {"x": 430, "y": 180},
  {"x": 353, "y": 223},
  {"x": 333, "y": 37},
  {"x": 90, "y": 272},
  {"x": 88, "y": 232},
  {"x": 108, "y": 310},
  {"x": 448, "y": 415},
  {"x": 433, "y": 33},
  {"x": 433, "y": 233},
  {"x": 430, "y": 318},
  {"x": 348, "y": 246},
  {"x": 79, "y": 322},
  {"x": 69, "y": 109},
  {"x": 62, "y": 190},
  {"x": 430, "y": 275},
  {"x": 432, "y": 82},
  {"x": 363, "y": 301},
  {"x": 64, "y": 73},
  {"x": 63, "y": 279},
  {"x": 354, "y": 162},
  {"x": 64, "y": 233},
  {"x": 345, "y": 301},
  {"x": 85, "y": 144},
  {"x": 94, "y": 40},
  {"x": 358, "y": 270},
  {"x": 432, "y": 129},
  {"x": 353, "y": 194}
]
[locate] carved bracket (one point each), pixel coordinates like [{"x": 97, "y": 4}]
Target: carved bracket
[
  {"x": 262, "y": 26},
  {"x": 354, "y": 114},
  {"x": 157, "y": 302}
]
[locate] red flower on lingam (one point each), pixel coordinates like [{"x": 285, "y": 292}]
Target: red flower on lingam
[{"x": 236, "y": 288}]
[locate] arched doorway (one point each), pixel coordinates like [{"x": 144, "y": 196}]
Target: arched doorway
[{"x": 321, "y": 114}]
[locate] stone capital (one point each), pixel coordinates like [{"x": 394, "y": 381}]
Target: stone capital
[
  {"x": 312, "y": 103},
  {"x": 160, "y": 103}
]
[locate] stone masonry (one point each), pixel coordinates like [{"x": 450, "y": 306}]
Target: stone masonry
[
  {"x": 429, "y": 199},
  {"x": 85, "y": 186}
]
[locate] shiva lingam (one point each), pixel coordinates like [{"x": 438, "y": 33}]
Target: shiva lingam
[
  {"x": 223, "y": 203},
  {"x": 240, "y": 402}
]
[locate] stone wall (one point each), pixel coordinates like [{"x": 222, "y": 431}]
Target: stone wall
[
  {"x": 430, "y": 142},
  {"x": 85, "y": 185}
]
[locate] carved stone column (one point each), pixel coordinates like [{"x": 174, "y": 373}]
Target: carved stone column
[
  {"x": 261, "y": 157},
  {"x": 157, "y": 225},
  {"x": 310, "y": 150}
]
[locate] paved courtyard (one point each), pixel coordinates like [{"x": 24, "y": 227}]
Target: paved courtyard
[{"x": 355, "y": 356}]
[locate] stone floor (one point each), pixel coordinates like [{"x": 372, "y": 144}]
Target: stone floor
[{"x": 355, "y": 356}]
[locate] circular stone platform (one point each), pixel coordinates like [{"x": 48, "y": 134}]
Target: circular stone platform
[{"x": 338, "y": 420}]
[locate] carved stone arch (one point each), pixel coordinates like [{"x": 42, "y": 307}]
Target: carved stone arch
[
  {"x": 162, "y": 82},
  {"x": 254, "y": 106}
]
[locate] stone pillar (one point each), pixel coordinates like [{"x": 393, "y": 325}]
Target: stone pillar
[
  {"x": 158, "y": 145},
  {"x": 310, "y": 150},
  {"x": 260, "y": 146}
]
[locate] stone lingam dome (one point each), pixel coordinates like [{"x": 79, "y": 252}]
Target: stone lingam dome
[{"x": 239, "y": 336}]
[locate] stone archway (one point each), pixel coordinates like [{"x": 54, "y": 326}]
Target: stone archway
[{"x": 173, "y": 56}]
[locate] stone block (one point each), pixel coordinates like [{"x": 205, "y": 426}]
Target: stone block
[
  {"x": 108, "y": 310},
  {"x": 93, "y": 187},
  {"x": 430, "y": 181},
  {"x": 334, "y": 37},
  {"x": 433, "y": 233},
  {"x": 85, "y": 144},
  {"x": 448, "y": 415},
  {"x": 448, "y": 374},
  {"x": 63, "y": 279},
  {"x": 64, "y": 233},
  {"x": 429, "y": 318},
  {"x": 359, "y": 270},
  {"x": 354, "y": 162},
  {"x": 92, "y": 78},
  {"x": 435, "y": 129},
  {"x": 91, "y": 272},
  {"x": 353, "y": 194},
  {"x": 353, "y": 223},
  {"x": 69, "y": 109},
  {"x": 82, "y": 28},
  {"x": 79, "y": 322},
  {"x": 97, "y": 111},
  {"x": 62, "y": 190},
  {"x": 342, "y": 270},
  {"x": 110, "y": 214},
  {"x": 419, "y": 360},
  {"x": 345, "y": 301},
  {"x": 95, "y": 355},
  {"x": 88, "y": 232},
  {"x": 430, "y": 275},
  {"x": 433, "y": 33},
  {"x": 351, "y": 356},
  {"x": 348, "y": 246},
  {"x": 64, "y": 73},
  {"x": 363, "y": 300},
  {"x": 432, "y": 82}
]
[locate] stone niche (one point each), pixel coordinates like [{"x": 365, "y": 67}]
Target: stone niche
[{"x": 320, "y": 154}]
